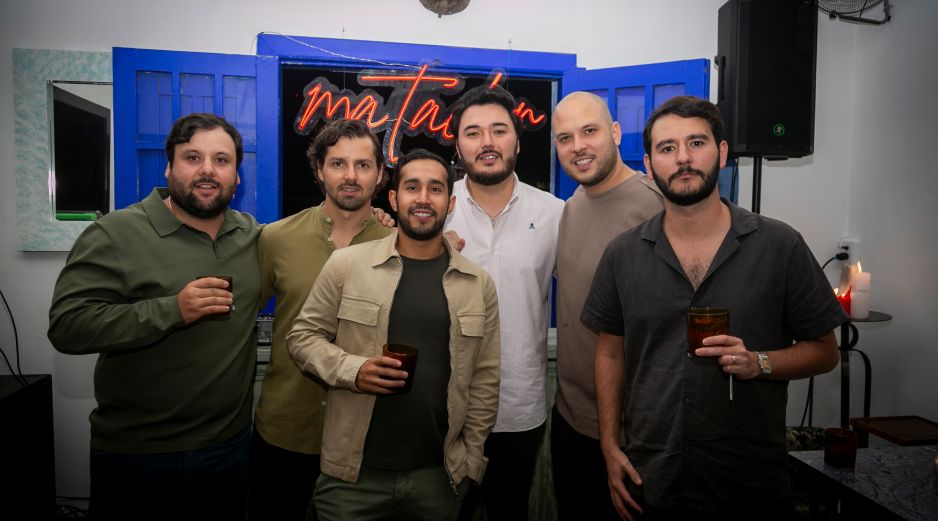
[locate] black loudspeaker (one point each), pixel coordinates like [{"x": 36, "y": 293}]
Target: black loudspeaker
[
  {"x": 27, "y": 449},
  {"x": 767, "y": 57}
]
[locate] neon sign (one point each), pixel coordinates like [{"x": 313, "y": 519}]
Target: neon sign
[{"x": 413, "y": 108}]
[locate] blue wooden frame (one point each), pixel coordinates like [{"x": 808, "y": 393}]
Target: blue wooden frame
[
  {"x": 378, "y": 55},
  {"x": 274, "y": 50},
  {"x": 265, "y": 69}
]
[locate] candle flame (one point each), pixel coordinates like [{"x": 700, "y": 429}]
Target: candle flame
[{"x": 859, "y": 267}]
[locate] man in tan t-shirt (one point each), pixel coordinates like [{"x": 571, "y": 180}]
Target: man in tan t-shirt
[{"x": 611, "y": 199}]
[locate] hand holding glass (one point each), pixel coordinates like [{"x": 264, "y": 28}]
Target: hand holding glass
[
  {"x": 408, "y": 358},
  {"x": 703, "y": 323}
]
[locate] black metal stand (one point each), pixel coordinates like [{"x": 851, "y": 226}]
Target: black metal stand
[
  {"x": 756, "y": 183},
  {"x": 849, "y": 336}
]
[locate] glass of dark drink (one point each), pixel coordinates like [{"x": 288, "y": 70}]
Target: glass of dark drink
[
  {"x": 408, "y": 356},
  {"x": 230, "y": 281},
  {"x": 703, "y": 323},
  {"x": 840, "y": 447}
]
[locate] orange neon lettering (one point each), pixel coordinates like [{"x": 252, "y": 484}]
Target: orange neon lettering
[
  {"x": 392, "y": 157},
  {"x": 428, "y": 113},
  {"x": 525, "y": 112},
  {"x": 408, "y": 89},
  {"x": 368, "y": 105},
  {"x": 317, "y": 97},
  {"x": 448, "y": 81}
]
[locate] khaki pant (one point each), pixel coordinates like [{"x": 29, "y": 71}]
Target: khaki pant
[{"x": 386, "y": 495}]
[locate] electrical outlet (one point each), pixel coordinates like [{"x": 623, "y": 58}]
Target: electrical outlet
[{"x": 851, "y": 245}]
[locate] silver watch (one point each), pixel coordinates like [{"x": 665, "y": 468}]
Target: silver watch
[{"x": 764, "y": 362}]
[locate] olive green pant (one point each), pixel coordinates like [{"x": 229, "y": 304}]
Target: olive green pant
[{"x": 385, "y": 495}]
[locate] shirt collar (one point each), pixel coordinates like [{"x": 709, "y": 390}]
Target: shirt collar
[
  {"x": 165, "y": 222},
  {"x": 515, "y": 193},
  {"x": 386, "y": 251},
  {"x": 742, "y": 222},
  {"x": 328, "y": 222}
]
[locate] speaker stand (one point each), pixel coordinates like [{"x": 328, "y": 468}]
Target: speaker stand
[{"x": 756, "y": 182}]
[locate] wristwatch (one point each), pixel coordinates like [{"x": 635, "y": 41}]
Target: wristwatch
[{"x": 764, "y": 363}]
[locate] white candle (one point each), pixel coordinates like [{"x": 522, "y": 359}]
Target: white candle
[{"x": 860, "y": 295}]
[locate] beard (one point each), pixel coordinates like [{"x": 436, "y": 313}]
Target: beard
[
  {"x": 419, "y": 232},
  {"x": 349, "y": 204},
  {"x": 692, "y": 196},
  {"x": 490, "y": 178},
  {"x": 605, "y": 165},
  {"x": 184, "y": 197}
]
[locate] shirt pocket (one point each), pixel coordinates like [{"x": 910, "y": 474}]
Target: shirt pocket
[
  {"x": 358, "y": 325},
  {"x": 471, "y": 333}
]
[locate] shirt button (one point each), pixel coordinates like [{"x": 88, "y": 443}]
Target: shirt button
[
  {"x": 323, "y": 404},
  {"x": 328, "y": 219},
  {"x": 329, "y": 239}
]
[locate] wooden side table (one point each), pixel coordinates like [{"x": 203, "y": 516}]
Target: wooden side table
[{"x": 901, "y": 430}]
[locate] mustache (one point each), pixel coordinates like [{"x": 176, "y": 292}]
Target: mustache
[
  {"x": 205, "y": 180},
  {"x": 488, "y": 152},
  {"x": 684, "y": 170},
  {"x": 421, "y": 208}
]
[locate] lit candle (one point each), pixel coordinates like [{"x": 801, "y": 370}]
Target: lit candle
[
  {"x": 860, "y": 299},
  {"x": 844, "y": 299}
]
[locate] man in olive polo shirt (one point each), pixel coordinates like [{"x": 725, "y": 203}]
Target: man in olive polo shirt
[
  {"x": 348, "y": 165},
  {"x": 173, "y": 382}
]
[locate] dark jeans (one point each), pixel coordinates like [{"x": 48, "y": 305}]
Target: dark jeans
[
  {"x": 581, "y": 486},
  {"x": 506, "y": 485},
  {"x": 282, "y": 482},
  {"x": 209, "y": 483}
]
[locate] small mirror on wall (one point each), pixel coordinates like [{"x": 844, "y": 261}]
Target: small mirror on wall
[{"x": 80, "y": 138}]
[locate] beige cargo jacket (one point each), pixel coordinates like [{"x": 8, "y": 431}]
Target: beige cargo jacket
[{"x": 344, "y": 322}]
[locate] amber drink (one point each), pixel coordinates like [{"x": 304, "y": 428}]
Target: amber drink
[{"x": 703, "y": 323}]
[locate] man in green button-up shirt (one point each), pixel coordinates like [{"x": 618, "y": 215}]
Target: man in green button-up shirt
[{"x": 348, "y": 165}]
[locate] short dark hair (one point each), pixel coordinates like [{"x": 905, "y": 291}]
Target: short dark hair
[
  {"x": 420, "y": 153},
  {"x": 486, "y": 95},
  {"x": 330, "y": 134},
  {"x": 185, "y": 127},
  {"x": 686, "y": 107}
]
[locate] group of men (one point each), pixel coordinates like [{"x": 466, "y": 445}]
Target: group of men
[{"x": 639, "y": 430}]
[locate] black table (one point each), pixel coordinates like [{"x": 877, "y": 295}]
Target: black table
[
  {"x": 849, "y": 335},
  {"x": 887, "y": 483}
]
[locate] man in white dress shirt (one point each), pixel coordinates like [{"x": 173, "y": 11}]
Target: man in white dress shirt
[{"x": 510, "y": 228}]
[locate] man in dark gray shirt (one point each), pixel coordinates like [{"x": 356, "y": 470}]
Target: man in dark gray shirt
[{"x": 692, "y": 449}]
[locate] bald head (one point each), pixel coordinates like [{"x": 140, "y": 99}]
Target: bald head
[
  {"x": 587, "y": 140},
  {"x": 580, "y": 101}
]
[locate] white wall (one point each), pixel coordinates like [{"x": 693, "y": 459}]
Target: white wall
[{"x": 868, "y": 176}]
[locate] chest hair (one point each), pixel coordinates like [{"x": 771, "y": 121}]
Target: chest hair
[{"x": 695, "y": 258}]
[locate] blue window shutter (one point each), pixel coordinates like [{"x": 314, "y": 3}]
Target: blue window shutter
[
  {"x": 632, "y": 93},
  {"x": 153, "y": 88}
]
